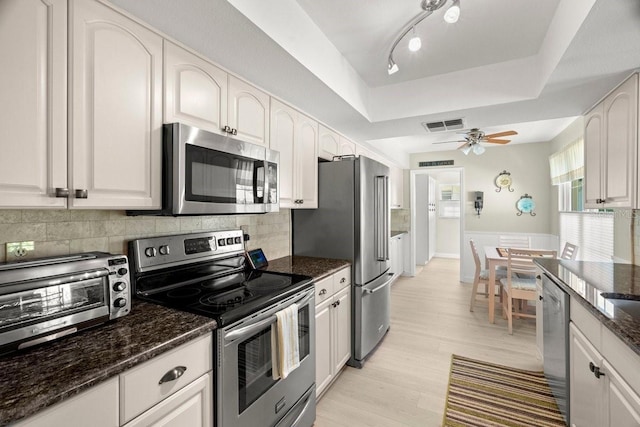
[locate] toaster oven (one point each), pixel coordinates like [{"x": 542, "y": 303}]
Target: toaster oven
[{"x": 49, "y": 298}]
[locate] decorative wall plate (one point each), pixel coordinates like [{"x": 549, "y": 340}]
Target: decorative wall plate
[
  {"x": 503, "y": 180},
  {"x": 526, "y": 205}
]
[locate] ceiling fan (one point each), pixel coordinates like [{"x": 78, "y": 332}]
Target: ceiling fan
[{"x": 473, "y": 137}]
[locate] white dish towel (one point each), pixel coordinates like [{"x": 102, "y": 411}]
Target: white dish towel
[{"x": 285, "y": 352}]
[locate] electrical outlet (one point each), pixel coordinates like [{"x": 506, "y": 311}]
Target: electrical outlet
[{"x": 20, "y": 250}]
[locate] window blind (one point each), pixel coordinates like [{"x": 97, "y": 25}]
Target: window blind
[
  {"x": 592, "y": 232},
  {"x": 568, "y": 163}
]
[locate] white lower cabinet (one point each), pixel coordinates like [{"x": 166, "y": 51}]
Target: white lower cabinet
[
  {"x": 97, "y": 407},
  {"x": 190, "y": 406},
  {"x": 173, "y": 389},
  {"x": 600, "y": 397},
  {"x": 333, "y": 327},
  {"x": 396, "y": 255}
]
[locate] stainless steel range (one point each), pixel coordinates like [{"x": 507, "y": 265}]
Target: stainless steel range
[
  {"x": 49, "y": 298},
  {"x": 206, "y": 274}
]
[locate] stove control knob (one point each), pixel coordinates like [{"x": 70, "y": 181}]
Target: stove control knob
[
  {"x": 122, "y": 271},
  {"x": 238, "y": 240},
  {"x": 120, "y": 302},
  {"x": 119, "y": 286},
  {"x": 164, "y": 250},
  {"x": 221, "y": 242},
  {"x": 150, "y": 252}
]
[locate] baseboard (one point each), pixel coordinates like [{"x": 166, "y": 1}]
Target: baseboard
[{"x": 441, "y": 255}]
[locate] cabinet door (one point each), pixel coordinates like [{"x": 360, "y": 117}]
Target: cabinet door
[
  {"x": 621, "y": 118},
  {"x": 306, "y": 161},
  {"x": 195, "y": 90},
  {"x": 97, "y": 406},
  {"x": 116, "y": 109},
  {"x": 248, "y": 111},
  {"x": 623, "y": 404},
  {"x": 393, "y": 255},
  {"x": 587, "y": 392},
  {"x": 283, "y": 124},
  {"x": 342, "y": 328},
  {"x": 328, "y": 144},
  {"x": 324, "y": 364},
  {"x": 347, "y": 147},
  {"x": 192, "y": 406},
  {"x": 396, "y": 187},
  {"x": 593, "y": 134},
  {"x": 33, "y": 114}
]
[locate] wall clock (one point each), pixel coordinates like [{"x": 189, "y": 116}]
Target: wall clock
[
  {"x": 526, "y": 205},
  {"x": 503, "y": 180}
]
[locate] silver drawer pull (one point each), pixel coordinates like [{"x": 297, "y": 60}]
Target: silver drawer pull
[
  {"x": 173, "y": 374},
  {"x": 322, "y": 292},
  {"x": 344, "y": 279}
]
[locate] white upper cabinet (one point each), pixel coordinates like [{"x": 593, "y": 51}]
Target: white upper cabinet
[
  {"x": 33, "y": 114},
  {"x": 347, "y": 147},
  {"x": 295, "y": 136},
  {"x": 329, "y": 143},
  {"x": 333, "y": 144},
  {"x": 248, "y": 110},
  {"x": 195, "y": 90},
  {"x": 116, "y": 109},
  {"x": 611, "y": 139},
  {"x": 396, "y": 187}
]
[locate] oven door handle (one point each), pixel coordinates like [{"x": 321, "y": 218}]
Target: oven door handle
[{"x": 250, "y": 329}]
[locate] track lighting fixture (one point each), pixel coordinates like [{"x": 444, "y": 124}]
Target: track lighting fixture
[{"x": 415, "y": 43}]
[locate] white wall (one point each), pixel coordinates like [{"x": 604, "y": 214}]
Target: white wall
[{"x": 422, "y": 230}]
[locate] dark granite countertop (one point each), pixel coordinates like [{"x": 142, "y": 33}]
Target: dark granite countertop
[
  {"x": 41, "y": 376},
  {"x": 587, "y": 281},
  {"x": 307, "y": 266},
  {"x": 395, "y": 233}
]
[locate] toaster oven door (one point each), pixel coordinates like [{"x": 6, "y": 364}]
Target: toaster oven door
[{"x": 34, "y": 313}]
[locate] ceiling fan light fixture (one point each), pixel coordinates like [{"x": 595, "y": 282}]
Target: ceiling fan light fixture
[
  {"x": 478, "y": 149},
  {"x": 466, "y": 149},
  {"x": 452, "y": 14}
]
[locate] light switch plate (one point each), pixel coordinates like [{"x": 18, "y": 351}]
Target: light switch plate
[{"x": 20, "y": 250}]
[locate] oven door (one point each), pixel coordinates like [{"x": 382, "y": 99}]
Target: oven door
[
  {"x": 247, "y": 394},
  {"x": 216, "y": 174},
  {"x": 41, "y": 311}
]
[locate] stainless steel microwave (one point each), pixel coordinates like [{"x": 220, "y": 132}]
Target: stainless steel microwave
[{"x": 204, "y": 173}]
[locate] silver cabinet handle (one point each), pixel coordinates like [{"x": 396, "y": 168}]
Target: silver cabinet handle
[
  {"x": 322, "y": 292},
  {"x": 226, "y": 129},
  {"x": 234, "y": 131},
  {"x": 62, "y": 192},
  {"x": 173, "y": 374},
  {"x": 344, "y": 279},
  {"x": 81, "y": 194}
]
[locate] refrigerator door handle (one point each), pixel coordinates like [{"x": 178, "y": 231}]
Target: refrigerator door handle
[
  {"x": 380, "y": 217},
  {"x": 387, "y": 219}
]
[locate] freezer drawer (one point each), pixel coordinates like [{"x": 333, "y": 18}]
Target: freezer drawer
[{"x": 372, "y": 316}]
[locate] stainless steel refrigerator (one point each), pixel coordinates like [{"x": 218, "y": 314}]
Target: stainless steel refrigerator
[{"x": 352, "y": 223}]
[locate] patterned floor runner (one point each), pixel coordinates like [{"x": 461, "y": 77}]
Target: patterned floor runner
[{"x": 485, "y": 394}]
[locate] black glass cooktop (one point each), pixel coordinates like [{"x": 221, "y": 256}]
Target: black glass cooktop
[{"x": 217, "y": 293}]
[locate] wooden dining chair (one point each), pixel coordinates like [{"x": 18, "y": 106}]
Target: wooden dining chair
[
  {"x": 512, "y": 241},
  {"x": 482, "y": 276},
  {"x": 570, "y": 251},
  {"x": 520, "y": 283}
]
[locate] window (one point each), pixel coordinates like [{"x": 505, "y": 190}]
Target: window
[
  {"x": 449, "y": 206},
  {"x": 570, "y": 196},
  {"x": 592, "y": 232}
]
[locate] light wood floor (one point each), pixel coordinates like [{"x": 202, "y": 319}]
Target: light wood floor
[{"x": 404, "y": 382}]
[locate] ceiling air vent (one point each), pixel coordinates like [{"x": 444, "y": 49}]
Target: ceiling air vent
[{"x": 453, "y": 124}]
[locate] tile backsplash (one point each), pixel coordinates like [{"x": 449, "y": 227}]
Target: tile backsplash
[
  {"x": 61, "y": 232},
  {"x": 400, "y": 219}
]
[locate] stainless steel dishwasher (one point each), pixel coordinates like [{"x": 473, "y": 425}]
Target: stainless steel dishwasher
[{"x": 555, "y": 309}]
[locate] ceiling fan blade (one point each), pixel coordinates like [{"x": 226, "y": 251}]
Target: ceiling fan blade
[
  {"x": 499, "y": 134},
  {"x": 496, "y": 141},
  {"x": 447, "y": 142}
]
